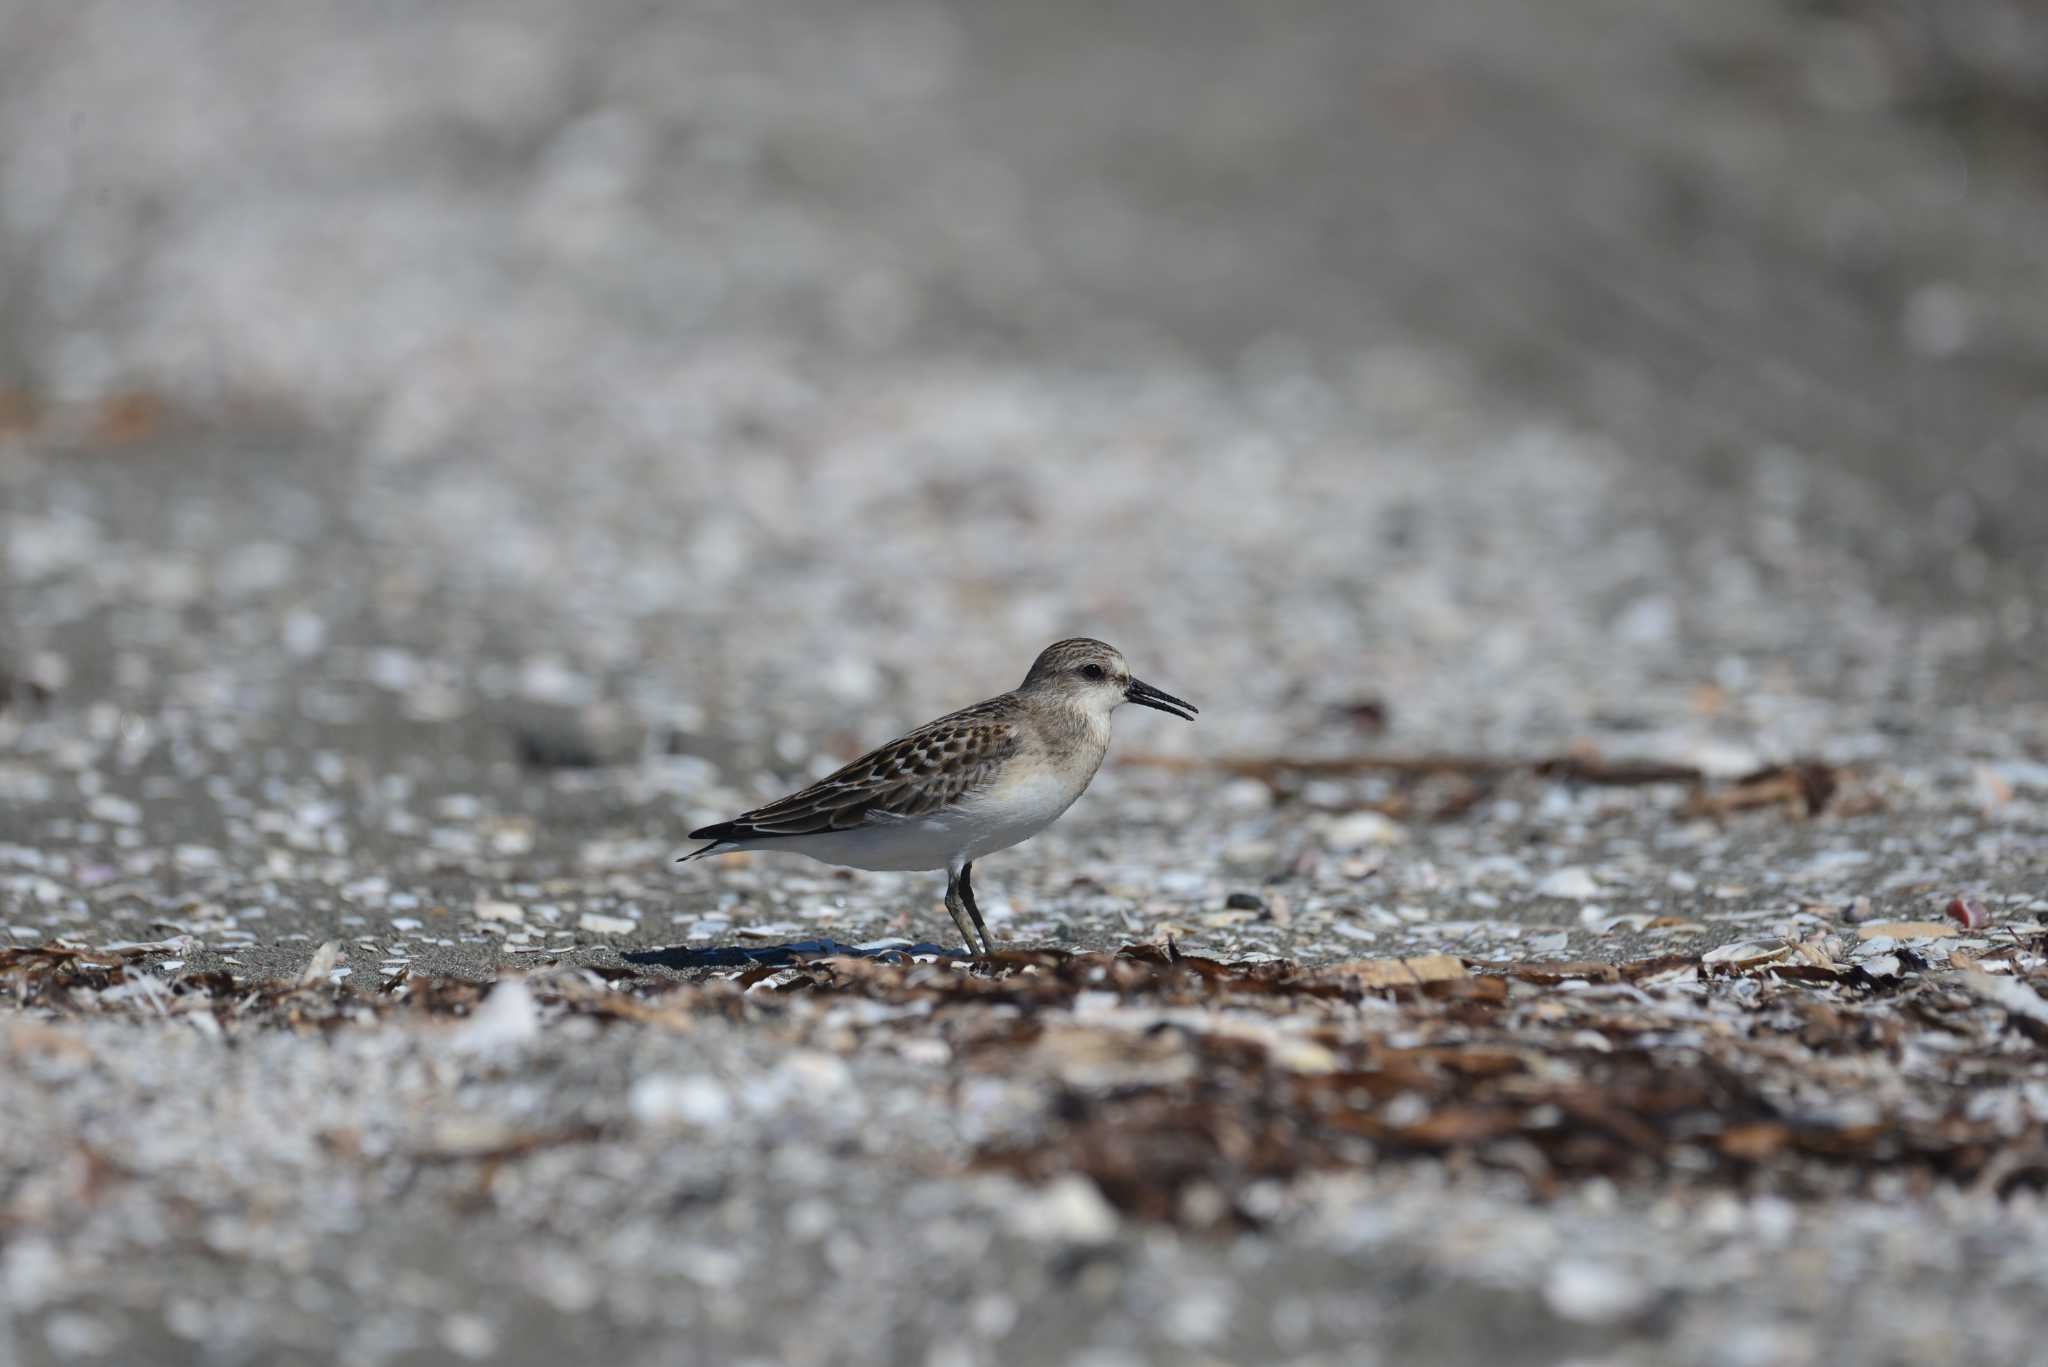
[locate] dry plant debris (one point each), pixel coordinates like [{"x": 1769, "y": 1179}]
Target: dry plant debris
[
  {"x": 1804, "y": 787},
  {"x": 1177, "y": 1083}
]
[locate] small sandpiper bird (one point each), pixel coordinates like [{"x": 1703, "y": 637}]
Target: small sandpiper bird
[{"x": 973, "y": 782}]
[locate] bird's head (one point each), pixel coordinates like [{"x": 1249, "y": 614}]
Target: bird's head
[{"x": 1094, "y": 677}]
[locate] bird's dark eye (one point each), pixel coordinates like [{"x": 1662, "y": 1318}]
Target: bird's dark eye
[{"x": 1092, "y": 673}]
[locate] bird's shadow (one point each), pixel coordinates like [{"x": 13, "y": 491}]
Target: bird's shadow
[{"x": 738, "y": 956}]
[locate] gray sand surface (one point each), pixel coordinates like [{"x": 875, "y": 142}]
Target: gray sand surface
[{"x": 447, "y": 453}]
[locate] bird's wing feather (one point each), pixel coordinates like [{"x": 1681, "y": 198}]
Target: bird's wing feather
[{"x": 925, "y": 771}]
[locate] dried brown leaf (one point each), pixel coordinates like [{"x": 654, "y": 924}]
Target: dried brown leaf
[
  {"x": 1756, "y": 1141},
  {"x": 1806, "y": 787},
  {"x": 1409, "y": 972}
]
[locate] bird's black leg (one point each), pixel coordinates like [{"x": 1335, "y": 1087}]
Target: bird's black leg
[
  {"x": 988, "y": 946},
  {"x": 958, "y": 911}
]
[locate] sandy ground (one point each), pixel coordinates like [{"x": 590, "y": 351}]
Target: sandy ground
[{"x": 447, "y": 455}]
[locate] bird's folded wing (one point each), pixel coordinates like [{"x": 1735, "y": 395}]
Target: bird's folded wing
[{"x": 923, "y": 772}]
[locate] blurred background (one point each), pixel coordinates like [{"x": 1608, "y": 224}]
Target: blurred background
[
  {"x": 481, "y": 382},
  {"x": 660, "y": 351}
]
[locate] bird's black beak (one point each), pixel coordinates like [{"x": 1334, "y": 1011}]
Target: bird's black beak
[{"x": 1145, "y": 695}]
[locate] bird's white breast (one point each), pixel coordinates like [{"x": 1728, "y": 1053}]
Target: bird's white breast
[{"x": 1017, "y": 807}]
